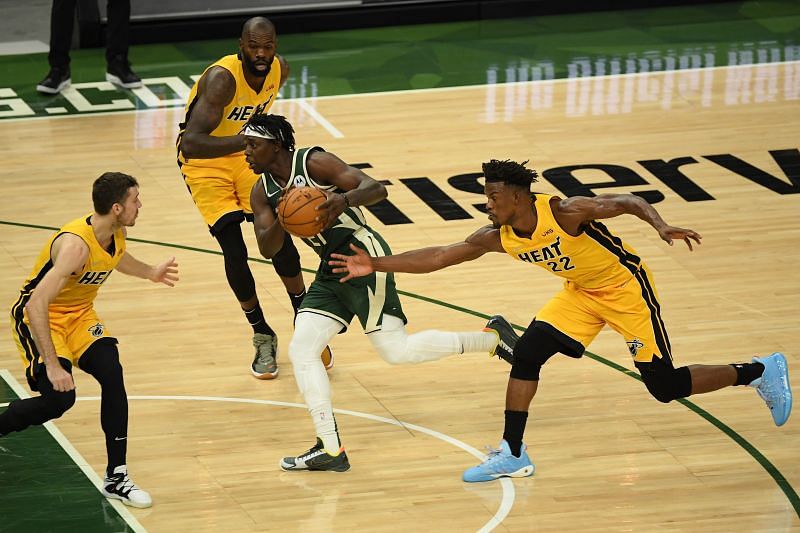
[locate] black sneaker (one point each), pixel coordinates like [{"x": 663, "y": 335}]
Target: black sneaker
[
  {"x": 317, "y": 459},
  {"x": 506, "y": 338},
  {"x": 120, "y": 74},
  {"x": 56, "y": 80}
]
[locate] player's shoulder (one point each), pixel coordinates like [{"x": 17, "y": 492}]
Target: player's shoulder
[
  {"x": 316, "y": 156},
  {"x": 571, "y": 204},
  {"x": 218, "y": 80},
  {"x": 69, "y": 246},
  {"x": 484, "y": 234}
]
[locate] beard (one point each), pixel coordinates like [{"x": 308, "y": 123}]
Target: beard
[{"x": 252, "y": 69}]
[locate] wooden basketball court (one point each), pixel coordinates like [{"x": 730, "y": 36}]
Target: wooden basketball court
[{"x": 206, "y": 438}]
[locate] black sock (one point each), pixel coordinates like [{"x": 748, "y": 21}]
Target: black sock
[
  {"x": 296, "y": 300},
  {"x": 746, "y": 373},
  {"x": 514, "y": 429},
  {"x": 256, "y": 319}
]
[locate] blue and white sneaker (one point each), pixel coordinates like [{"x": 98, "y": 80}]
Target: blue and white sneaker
[
  {"x": 501, "y": 463},
  {"x": 773, "y": 386}
]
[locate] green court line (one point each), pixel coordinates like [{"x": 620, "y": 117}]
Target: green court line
[{"x": 765, "y": 463}]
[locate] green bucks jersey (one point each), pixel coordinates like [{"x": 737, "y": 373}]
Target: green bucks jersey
[{"x": 351, "y": 224}]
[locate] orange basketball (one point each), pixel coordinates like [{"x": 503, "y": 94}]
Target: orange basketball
[{"x": 297, "y": 210}]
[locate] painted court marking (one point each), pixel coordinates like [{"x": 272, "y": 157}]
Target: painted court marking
[
  {"x": 316, "y": 115},
  {"x": 76, "y": 457},
  {"x": 306, "y": 103},
  {"x": 506, "y": 502}
]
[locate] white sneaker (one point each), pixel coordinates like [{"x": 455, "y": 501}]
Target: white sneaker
[{"x": 120, "y": 487}]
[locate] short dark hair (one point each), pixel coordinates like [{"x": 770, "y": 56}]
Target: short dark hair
[
  {"x": 275, "y": 126},
  {"x": 510, "y": 172},
  {"x": 109, "y": 189}
]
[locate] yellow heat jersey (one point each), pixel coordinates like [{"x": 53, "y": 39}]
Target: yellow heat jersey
[
  {"x": 245, "y": 103},
  {"x": 81, "y": 288},
  {"x": 591, "y": 260}
]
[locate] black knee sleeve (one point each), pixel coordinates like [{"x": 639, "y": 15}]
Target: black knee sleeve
[
  {"x": 101, "y": 360},
  {"x": 287, "y": 261},
  {"x": 665, "y": 382},
  {"x": 536, "y": 345},
  {"x": 34, "y": 411},
  {"x": 234, "y": 251},
  {"x": 53, "y": 403},
  {"x": 58, "y": 403}
]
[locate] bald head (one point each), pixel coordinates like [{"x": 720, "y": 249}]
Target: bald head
[
  {"x": 257, "y": 46},
  {"x": 257, "y": 25}
]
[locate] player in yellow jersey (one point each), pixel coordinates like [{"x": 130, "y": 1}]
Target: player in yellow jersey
[
  {"x": 605, "y": 283},
  {"x": 211, "y": 159},
  {"x": 55, "y": 326}
]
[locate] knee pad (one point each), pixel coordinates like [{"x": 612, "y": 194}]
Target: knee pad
[
  {"x": 231, "y": 242},
  {"x": 58, "y": 403},
  {"x": 101, "y": 360},
  {"x": 287, "y": 261},
  {"x": 391, "y": 341},
  {"x": 312, "y": 332},
  {"x": 532, "y": 350},
  {"x": 234, "y": 253},
  {"x": 664, "y": 382}
]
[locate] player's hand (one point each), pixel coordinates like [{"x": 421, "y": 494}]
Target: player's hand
[
  {"x": 668, "y": 233},
  {"x": 60, "y": 378},
  {"x": 357, "y": 265},
  {"x": 330, "y": 209},
  {"x": 166, "y": 272}
]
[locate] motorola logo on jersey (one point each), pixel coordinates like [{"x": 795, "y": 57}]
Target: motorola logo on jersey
[
  {"x": 94, "y": 278},
  {"x": 300, "y": 181}
]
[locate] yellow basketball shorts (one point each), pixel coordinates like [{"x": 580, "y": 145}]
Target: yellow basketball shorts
[
  {"x": 72, "y": 333},
  {"x": 632, "y": 309},
  {"x": 220, "y": 188}
]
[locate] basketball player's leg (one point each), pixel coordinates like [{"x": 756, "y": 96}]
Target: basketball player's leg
[
  {"x": 321, "y": 317},
  {"x": 50, "y": 404},
  {"x": 562, "y": 325},
  {"x": 396, "y": 346},
  {"x": 214, "y": 193},
  {"x": 97, "y": 355},
  {"x": 220, "y": 207},
  {"x": 287, "y": 265},
  {"x": 648, "y": 342},
  {"x": 101, "y": 361}
]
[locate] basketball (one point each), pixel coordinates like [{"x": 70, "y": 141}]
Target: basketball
[{"x": 297, "y": 210}]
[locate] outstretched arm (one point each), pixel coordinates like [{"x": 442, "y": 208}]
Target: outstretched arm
[
  {"x": 419, "y": 261},
  {"x": 166, "y": 272},
  {"x": 573, "y": 213},
  {"x": 269, "y": 233}
]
